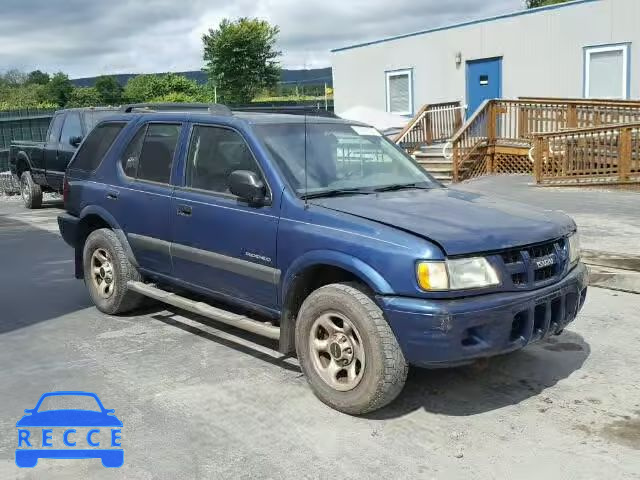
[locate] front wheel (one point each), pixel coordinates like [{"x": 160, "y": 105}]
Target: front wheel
[
  {"x": 30, "y": 190},
  {"x": 347, "y": 350}
]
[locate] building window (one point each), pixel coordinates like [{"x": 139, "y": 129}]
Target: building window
[
  {"x": 607, "y": 72},
  {"x": 400, "y": 92}
]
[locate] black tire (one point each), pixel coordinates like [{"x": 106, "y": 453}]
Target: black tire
[
  {"x": 31, "y": 191},
  {"x": 120, "y": 299},
  {"x": 385, "y": 370}
]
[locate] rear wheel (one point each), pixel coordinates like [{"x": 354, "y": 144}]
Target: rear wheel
[
  {"x": 30, "y": 190},
  {"x": 347, "y": 350},
  {"x": 107, "y": 271}
]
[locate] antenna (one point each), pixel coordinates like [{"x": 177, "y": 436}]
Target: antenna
[{"x": 306, "y": 185}]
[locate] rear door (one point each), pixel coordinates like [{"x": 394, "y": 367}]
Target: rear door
[
  {"x": 59, "y": 158},
  {"x": 142, "y": 200},
  {"x": 221, "y": 243}
]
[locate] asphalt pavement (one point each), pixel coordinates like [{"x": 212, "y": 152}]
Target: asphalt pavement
[{"x": 200, "y": 400}]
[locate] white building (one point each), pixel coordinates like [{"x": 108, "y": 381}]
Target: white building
[{"x": 584, "y": 48}]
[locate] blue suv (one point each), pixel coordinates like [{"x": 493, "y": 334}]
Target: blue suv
[{"x": 317, "y": 232}]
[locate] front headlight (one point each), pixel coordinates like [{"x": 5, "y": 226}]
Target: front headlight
[
  {"x": 574, "y": 248},
  {"x": 457, "y": 274}
]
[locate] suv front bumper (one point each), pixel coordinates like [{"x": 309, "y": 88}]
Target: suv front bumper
[{"x": 439, "y": 333}]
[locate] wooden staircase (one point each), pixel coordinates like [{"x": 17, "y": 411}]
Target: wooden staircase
[
  {"x": 559, "y": 140},
  {"x": 431, "y": 159}
]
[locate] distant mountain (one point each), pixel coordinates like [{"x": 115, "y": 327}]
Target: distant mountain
[{"x": 315, "y": 76}]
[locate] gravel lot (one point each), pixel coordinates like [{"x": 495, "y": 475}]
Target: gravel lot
[{"x": 199, "y": 400}]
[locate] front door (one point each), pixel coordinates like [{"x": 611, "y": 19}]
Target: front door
[
  {"x": 220, "y": 243},
  {"x": 484, "y": 82}
]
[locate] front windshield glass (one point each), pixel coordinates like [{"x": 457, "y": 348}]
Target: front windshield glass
[{"x": 340, "y": 157}]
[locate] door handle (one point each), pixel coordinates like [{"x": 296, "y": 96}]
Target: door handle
[
  {"x": 184, "y": 210},
  {"x": 112, "y": 195}
]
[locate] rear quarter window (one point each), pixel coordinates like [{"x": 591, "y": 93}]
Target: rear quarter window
[{"x": 96, "y": 146}]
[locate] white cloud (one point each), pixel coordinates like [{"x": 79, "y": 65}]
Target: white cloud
[{"x": 85, "y": 38}]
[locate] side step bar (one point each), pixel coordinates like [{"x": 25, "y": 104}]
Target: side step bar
[{"x": 201, "y": 308}]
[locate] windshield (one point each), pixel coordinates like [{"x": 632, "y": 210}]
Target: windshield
[{"x": 340, "y": 157}]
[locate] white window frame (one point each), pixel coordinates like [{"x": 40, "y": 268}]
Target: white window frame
[
  {"x": 621, "y": 47},
  {"x": 399, "y": 73}
]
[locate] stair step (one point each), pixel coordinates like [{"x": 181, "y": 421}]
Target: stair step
[
  {"x": 422, "y": 154},
  {"x": 442, "y": 178},
  {"x": 434, "y": 161},
  {"x": 431, "y": 169}
]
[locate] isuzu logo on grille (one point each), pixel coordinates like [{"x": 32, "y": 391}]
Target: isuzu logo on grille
[{"x": 545, "y": 261}]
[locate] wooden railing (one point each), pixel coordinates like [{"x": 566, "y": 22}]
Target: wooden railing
[
  {"x": 432, "y": 124},
  {"x": 588, "y": 155},
  {"x": 471, "y": 141},
  {"x": 514, "y": 123}
]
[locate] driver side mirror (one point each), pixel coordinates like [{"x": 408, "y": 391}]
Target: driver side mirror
[
  {"x": 75, "y": 141},
  {"x": 248, "y": 186}
]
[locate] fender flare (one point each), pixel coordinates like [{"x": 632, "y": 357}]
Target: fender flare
[
  {"x": 365, "y": 272},
  {"x": 360, "y": 269},
  {"x": 111, "y": 221},
  {"x": 22, "y": 156}
]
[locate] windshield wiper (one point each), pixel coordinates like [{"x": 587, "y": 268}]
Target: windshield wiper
[
  {"x": 401, "y": 186},
  {"x": 337, "y": 192}
]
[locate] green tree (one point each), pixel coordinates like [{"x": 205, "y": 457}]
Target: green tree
[
  {"x": 542, "y": 3},
  {"x": 59, "y": 89},
  {"x": 14, "y": 77},
  {"x": 241, "y": 59},
  {"x": 141, "y": 88},
  {"x": 23, "y": 96},
  {"x": 173, "y": 83},
  {"x": 84, "y": 97},
  {"x": 175, "y": 97},
  {"x": 109, "y": 90},
  {"x": 146, "y": 88},
  {"x": 37, "y": 77}
]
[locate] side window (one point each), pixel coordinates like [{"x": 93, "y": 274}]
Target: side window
[
  {"x": 131, "y": 157},
  {"x": 71, "y": 128},
  {"x": 149, "y": 156},
  {"x": 54, "y": 131},
  {"x": 214, "y": 153},
  {"x": 96, "y": 146}
]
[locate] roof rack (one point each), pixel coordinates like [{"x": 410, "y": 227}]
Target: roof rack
[{"x": 213, "y": 108}]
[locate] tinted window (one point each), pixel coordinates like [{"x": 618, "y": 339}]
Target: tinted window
[
  {"x": 213, "y": 154},
  {"x": 54, "y": 131},
  {"x": 149, "y": 155},
  {"x": 71, "y": 128},
  {"x": 131, "y": 157},
  {"x": 96, "y": 146}
]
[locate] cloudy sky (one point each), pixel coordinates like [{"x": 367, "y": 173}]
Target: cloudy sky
[{"x": 93, "y": 37}]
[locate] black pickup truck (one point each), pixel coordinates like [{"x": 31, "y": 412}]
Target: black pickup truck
[{"x": 40, "y": 166}]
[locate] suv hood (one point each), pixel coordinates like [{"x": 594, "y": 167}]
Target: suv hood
[{"x": 460, "y": 222}]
